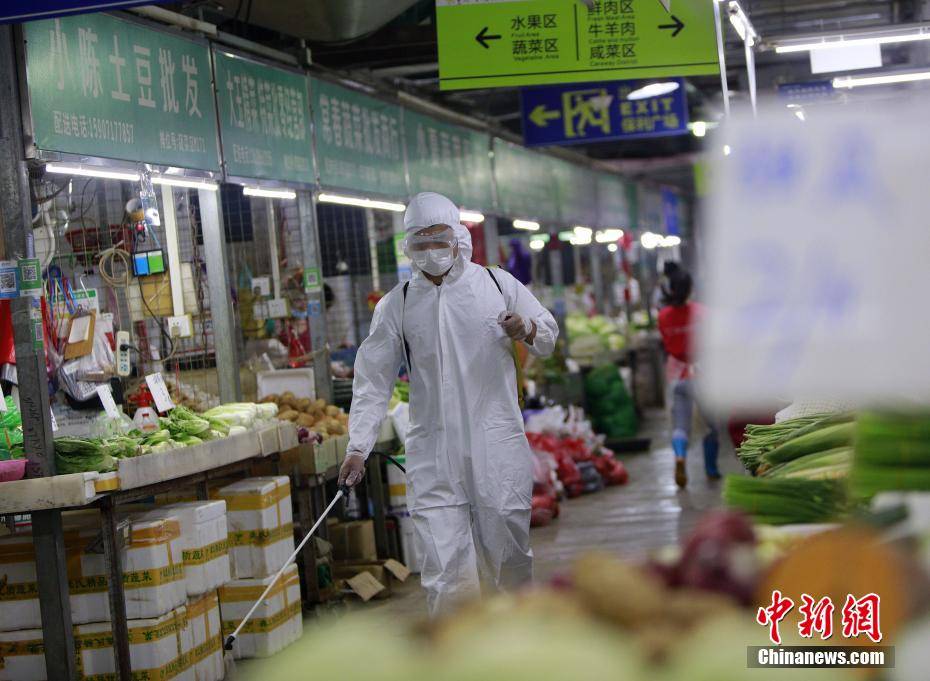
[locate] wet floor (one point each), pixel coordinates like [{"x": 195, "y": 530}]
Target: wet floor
[{"x": 643, "y": 516}]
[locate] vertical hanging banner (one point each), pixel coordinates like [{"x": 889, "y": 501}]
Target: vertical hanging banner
[
  {"x": 503, "y": 43},
  {"x": 109, "y": 87},
  {"x": 358, "y": 143},
  {"x": 448, "y": 159},
  {"x": 614, "y": 208},
  {"x": 264, "y": 119},
  {"x": 577, "y": 191},
  {"x": 526, "y": 186}
]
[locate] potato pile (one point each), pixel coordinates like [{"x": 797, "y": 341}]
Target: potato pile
[{"x": 316, "y": 415}]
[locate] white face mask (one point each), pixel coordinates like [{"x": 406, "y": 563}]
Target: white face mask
[{"x": 435, "y": 261}]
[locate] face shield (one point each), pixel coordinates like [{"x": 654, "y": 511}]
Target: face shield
[{"x": 432, "y": 249}]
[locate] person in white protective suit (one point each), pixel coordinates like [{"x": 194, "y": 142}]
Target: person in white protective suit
[{"x": 469, "y": 465}]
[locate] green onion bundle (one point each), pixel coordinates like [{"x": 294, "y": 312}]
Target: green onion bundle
[
  {"x": 892, "y": 453},
  {"x": 818, "y": 439},
  {"x": 760, "y": 439},
  {"x": 781, "y": 501}
]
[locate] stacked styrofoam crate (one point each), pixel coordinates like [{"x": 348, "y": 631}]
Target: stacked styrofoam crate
[
  {"x": 154, "y": 587},
  {"x": 261, "y": 539},
  {"x": 203, "y": 541},
  {"x": 153, "y": 574},
  {"x": 276, "y": 623},
  {"x": 205, "y": 630},
  {"x": 204, "y": 550},
  {"x": 159, "y": 648}
]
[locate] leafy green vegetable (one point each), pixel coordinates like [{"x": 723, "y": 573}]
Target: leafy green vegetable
[
  {"x": 78, "y": 455},
  {"x": 782, "y": 501}
]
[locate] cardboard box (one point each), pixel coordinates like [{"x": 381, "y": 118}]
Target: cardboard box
[
  {"x": 311, "y": 459},
  {"x": 204, "y": 628},
  {"x": 384, "y": 572},
  {"x": 353, "y": 541}
]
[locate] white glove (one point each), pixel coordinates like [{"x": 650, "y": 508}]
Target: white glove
[
  {"x": 352, "y": 470},
  {"x": 515, "y": 326}
]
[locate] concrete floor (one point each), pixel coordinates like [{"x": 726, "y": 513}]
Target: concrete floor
[{"x": 646, "y": 514}]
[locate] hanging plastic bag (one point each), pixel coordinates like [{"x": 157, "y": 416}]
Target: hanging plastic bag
[{"x": 80, "y": 377}]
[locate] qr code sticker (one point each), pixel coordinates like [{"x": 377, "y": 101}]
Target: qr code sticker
[
  {"x": 30, "y": 273},
  {"x": 7, "y": 281}
]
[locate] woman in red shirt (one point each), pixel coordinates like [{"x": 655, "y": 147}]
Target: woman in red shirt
[{"x": 676, "y": 324}]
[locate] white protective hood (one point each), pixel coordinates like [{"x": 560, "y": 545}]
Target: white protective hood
[{"x": 429, "y": 208}]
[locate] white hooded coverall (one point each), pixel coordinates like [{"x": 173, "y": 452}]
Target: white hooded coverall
[{"x": 469, "y": 466}]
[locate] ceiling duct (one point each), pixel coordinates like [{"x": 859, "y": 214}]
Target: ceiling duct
[{"x": 322, "y": 20}]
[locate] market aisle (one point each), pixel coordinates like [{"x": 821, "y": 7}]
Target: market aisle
[{"x": 644, "y": 515}]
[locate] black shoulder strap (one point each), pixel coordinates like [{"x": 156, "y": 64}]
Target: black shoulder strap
[
  {"x": 404, "y": 337},
  {"x": 496, "y": 283}
]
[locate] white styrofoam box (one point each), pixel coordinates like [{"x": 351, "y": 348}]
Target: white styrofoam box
[
  {"x": 153, "y": 567},
  {"x": 57, "y": 491},
  {"x": 287, "y": 435},
  {"x": 203, "y": 622},
  {"x": 19, "y": 595},
  {"x": 298, "y": 381},
  {"x": 260, "y": 522},
  {"x": 276, "y": 623},
  {"x": 148, "y": 468},
  {"x": 23, "y": 655},
  {"x": 159, "y": 648},
  {"x": 204, "y": 542}
]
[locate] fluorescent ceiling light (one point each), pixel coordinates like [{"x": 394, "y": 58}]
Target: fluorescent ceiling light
[
  {"x": 529, "y": 225},
  {"x": 606, "y": 236},
  {"x": 653, "y": 90},
  {"x": 537, "y": 244},
  {"x": 800, "y": 114},
  {"x": 726, "y": 149},
  {"x": 361, "y": 203},
  {"x": 650, "y": 240},
  {"x": 264, "y": 193},
  {"x": 91, "y": 171},
  {"x": 889, "y": 79},
  {"x": 580, "y": 240},
  {"x": 185, "y": 182},
  {"x": 741, "y": 23},
  {"x": 669, "y": 241},
  {"x": 699, "y": 128},
  {"x": 612, "y": 248},
  {"x": 583, "y": 232},
  {"x": 831, "y": 42},
  {"x": 471, "y": 216},
  {"x": 566, "y": 236}
]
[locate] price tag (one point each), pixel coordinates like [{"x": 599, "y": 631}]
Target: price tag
[
  {"x": 54, "y": 422},
  {"x": 159, "y": 390},
  {"x": 109, "y": 404}
]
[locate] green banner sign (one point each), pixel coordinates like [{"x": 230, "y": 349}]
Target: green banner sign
[
  {"x": 448, "y": 159},
  {"x": 109, "y": 87},
  {"x": 264, "y": 120},
  {"x": 503, "y": 43},
  {"x": 358, "y": 143},
  {"x": 526, "y": 186},
  {"x": 577, "y": 192},
  {"x": 614, "y": 209}
]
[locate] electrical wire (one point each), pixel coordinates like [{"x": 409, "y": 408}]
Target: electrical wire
[{"x": 105, "y": 268}]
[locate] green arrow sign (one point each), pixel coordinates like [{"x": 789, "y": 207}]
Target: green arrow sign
[{"x": 503, "y": 43}]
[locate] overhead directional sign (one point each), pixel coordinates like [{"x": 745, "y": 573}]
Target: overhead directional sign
[
  {"x": 503, "y": 43},
  {"x": 593, "y": 112}
]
